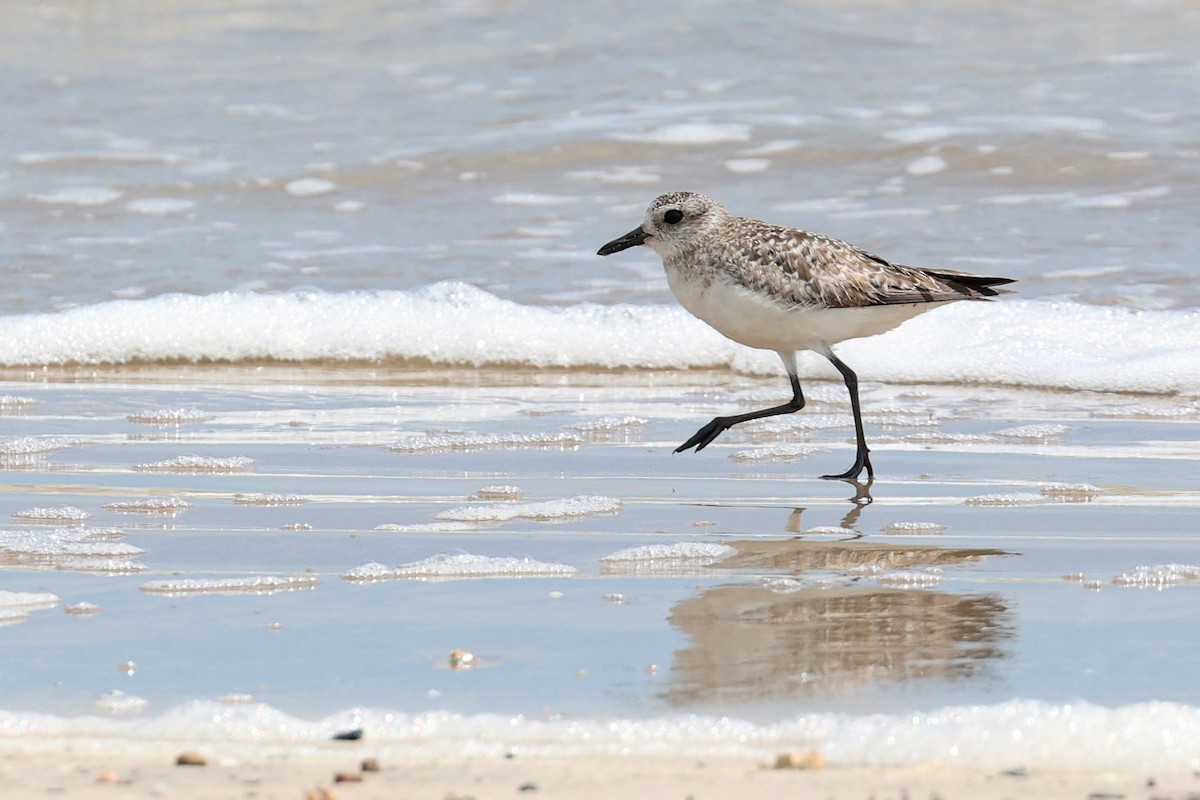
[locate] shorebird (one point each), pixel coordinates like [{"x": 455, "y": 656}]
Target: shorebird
[{"x": 783, "y": 289}]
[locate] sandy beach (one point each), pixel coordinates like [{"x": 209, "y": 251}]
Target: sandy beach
[
  {"x": 722, "y": 607},
  {"x": 313, "y": 774},
  {"x": 319, "y": 412}
]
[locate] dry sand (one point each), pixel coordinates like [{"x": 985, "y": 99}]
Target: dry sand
[{"x": 294, "y": 775}]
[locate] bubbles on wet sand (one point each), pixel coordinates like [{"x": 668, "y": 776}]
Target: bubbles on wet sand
[
  {"x": 56, "y": 515},
  {"x": 1159, "y": 576},
  {"x": 913, "y": 528},
  {"x": 1007, "y": 499},
  {"x": 249, "y": 584},
  {"x": 465, "y": 442},
  {"x": 163, "y": 506},
  {"x": 269, "y": 499},
  {"x": 75, "y": 548},
  {"x": 459, "y": 566},
  {"x": 169, "y": 416},
  {"x": 1038, "y": 432},
  {"x": 667, "y": 560},
  {"x": 498, "y": 492},
  {"x": 1071, "y": 492},
  {"x": 544, "y": 511},
  {"x": 196, "y": 464},
  {"x": 779, "y": 452}
]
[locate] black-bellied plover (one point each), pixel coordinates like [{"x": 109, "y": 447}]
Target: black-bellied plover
[{"x": 783, "y": 289}]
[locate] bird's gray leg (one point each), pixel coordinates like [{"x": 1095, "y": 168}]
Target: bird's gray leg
[
  {"x": 704, "y": 437},
  {"x": 862, "y": 459}
]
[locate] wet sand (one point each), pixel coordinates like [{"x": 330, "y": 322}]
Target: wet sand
[{"x": 997, "y": 562}]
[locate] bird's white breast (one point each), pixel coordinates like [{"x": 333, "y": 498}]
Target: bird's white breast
[{"x": 758, "y": 320}]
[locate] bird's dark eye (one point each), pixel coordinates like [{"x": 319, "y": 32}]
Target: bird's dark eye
[{"x": 673, "y": 216}]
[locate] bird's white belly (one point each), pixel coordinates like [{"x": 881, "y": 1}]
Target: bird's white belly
[{"x": 756, "y": 320}]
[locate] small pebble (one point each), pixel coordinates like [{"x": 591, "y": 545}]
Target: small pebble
[
  {"x": 321, "y": 793},
  {"x": 349, "y": 736},
  {"x": 108, "y": 776},
  {"x": 191, "y": 758},
  {"x": 527, "y": 787},
  {"x": 370, "y": 764},
  {"x": 348, "y": 777},
  {"x": 83, "y": 609},
  {"x": 810, "y": 759},
  {"x": 461, "y": 660}
]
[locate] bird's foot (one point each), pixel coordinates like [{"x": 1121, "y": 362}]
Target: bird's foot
[
  {"x": 704, "y": 437},
  {"x": 863, "y": 461}
]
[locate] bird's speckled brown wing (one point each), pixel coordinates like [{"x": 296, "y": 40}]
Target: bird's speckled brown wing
[{"x": 808, "y": 269}]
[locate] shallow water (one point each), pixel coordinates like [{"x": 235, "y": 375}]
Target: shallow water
[
  {"x": 374, "y": 192},
  {"x": 814, "y": 604}
]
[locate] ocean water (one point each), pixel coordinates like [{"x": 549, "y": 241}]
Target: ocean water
[{"x": 313, "y": 377}]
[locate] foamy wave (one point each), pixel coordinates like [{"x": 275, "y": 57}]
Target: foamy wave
[{"x": 1013, "y": 342}]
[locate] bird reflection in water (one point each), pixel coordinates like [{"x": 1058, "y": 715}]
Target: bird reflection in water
[{"x": 828, "y": 632}]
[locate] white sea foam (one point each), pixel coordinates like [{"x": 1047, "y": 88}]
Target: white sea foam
[
  {"x": 706, "y": 552},
  {"x": 426, "y": 527},
  {"x": 464, "y": 442},
  {"x": 608, "y": 424},
  {"x": 744, "y": 166},
  {"x": 1159, "y": 576},
  {"x": 1045, "y": 430},
  {"x": 532, "y": 199},
  {"x": 1006, "y": 499},
  {"x": 22, "y": 447},
  {"x": 460, "y": 565},
  {"x": 79, "y": 196},
  {"x": 926, "y": 165},
  {"x": 691, "y": 133},
  {"x": 1071, "y": 491},
  {"x": 27, "y": 601},
  {"x": 150, "y": 505},
  {"x": 498, "y": 492},
  {"x": 75, "y": 548},
  {"x": 544, "y": 511},
  {"x": 159, "y": 206},
  {"x": 1011, "y": 342},
  {"x": 269, "y": 499},
  {"x": 909, "y": 579},
  {"x": 913, "y": 527},
  {"x": 1141, "y": 738},
  {"x": 55, "y": 514},
  {"x": 191, "y": 464},
  {"x": 251, "y": 584},
  {"x": 309, "y": 187},
  {"x": 777, "y": 452},
  {"x": 169, "y": 416}
]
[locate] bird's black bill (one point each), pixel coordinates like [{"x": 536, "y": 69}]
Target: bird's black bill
[{"x": 632, "y": 239}]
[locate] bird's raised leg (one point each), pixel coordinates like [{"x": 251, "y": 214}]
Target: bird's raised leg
[
  {"x": 704, "y": 437},
  {"x": 862, "y": 460}
]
